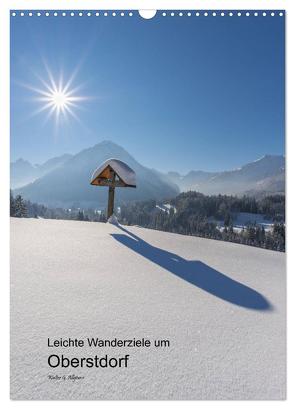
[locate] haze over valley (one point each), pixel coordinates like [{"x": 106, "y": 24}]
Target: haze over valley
[{"x": 64, "y": 180}]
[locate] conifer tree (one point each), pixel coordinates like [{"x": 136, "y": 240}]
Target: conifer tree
[
  {"x": 20, "y": 208},
  {"x": 12, "y": 205}
]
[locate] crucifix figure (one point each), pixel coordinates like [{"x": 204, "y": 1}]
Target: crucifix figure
[{"x": 113, "y": 173}]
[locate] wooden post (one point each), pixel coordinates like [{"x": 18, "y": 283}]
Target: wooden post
[
  {"x": 111, "y": 201},
  {"x": 106, "y": 175},
  {"x": 111, "y": 195}
]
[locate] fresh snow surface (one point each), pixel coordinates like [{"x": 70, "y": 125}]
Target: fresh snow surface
[
  {"x": 221, "y": 305},
  {"x": 113, "y": 220}
]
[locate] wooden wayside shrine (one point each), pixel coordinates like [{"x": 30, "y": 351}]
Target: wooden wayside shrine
[{"x": 113, "y": 173}]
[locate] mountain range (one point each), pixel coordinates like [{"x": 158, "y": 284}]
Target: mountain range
[
  {"x": 23, "y": 172},
  {"x": 64, "y": 181},
  {"x": 68, "y": 184},
  {"x": 263, "y": 176}
]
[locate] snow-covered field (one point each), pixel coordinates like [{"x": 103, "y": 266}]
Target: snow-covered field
[
  {"x": 242, "y": 219},
  {"x": 221, "y": 305}
]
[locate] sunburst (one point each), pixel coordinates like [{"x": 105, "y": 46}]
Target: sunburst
[{"x": 60, "y": 99}]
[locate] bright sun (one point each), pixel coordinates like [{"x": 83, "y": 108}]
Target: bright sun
[{"x": 59, "y": 99}]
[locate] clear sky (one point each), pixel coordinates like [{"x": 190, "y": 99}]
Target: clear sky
[{"x": 178, "y": 93}]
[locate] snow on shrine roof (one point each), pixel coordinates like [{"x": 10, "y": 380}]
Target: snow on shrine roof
[{"x": 121, "y": 168}]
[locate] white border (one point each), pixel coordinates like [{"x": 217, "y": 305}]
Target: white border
[
  {"x": 146, "y": 4},
  {"x": 5, "y": 5},
  {"x": 147, "y": 14}
]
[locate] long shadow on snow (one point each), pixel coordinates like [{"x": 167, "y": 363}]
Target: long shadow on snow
[{"x": 197, "y": 273}]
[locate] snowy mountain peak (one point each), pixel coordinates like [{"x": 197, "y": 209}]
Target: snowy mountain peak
[{"x": 265, "y": 174}]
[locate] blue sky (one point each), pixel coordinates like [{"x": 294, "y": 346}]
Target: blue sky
[{"x": 178, "y": 93}]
